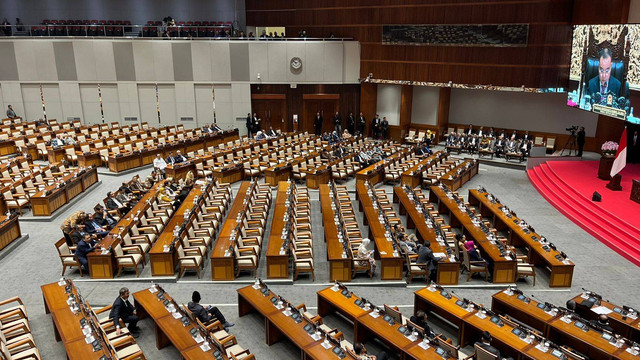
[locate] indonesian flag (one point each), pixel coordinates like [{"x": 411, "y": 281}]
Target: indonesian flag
[{"x": 621, "y": 156}]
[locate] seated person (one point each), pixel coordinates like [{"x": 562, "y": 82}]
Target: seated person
[
  {"x": 420, "y": 319},
  {"x": 346, "y": 134},
  {"x": 406, "y": 244},
  {"x": 260, "y": 136},
  {"x": 271, "y": 133},
  {"x": 603, "y": 322},
  {"x": 472, "y": 145},
  {"x": 85, "y": 246},
  {"x": 114, "y": 204},
  {"x": 123, "y": 310},
  {"x": 179, "y": 158},
  {"x": 512, "y": 145},
  {"x": 103, "y": 218},
  {"x": 426, "y": 256},
  {"x": 474, "y": 255},
  {"x": 362, "y": 354},
  {"x": 499, "y": 146},
  {"x": 485, "y": 343},
  {"x": 92, "y": 227},
  {"x": 365, "y": 255},
  {"x": 216, "y": 128},
  {"x": 486, "y": 144},
  {"x": 159, "y": 163},
  {"x": 208, "y": 313},
  {"x": 164, "y": 196},
  {"x": 170, "y": 160}
]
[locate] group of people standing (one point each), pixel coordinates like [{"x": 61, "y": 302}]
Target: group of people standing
[{"x": 379, "y": 128}]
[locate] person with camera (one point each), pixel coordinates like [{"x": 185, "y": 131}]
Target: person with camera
[{"x": 581, "y": 140}]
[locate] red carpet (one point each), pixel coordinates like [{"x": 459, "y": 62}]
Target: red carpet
[{"x": 568, "y": 186}]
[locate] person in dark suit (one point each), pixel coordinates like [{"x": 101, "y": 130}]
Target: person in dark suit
[
  {"x": 92, "y": 227},
  {"x": 114, "y": 204},
  {"x": 170, "y": 160},
  {"x": 123, "y": 310},
  {"x": 604, "y": 83},
  {"x": 634, "y": 148},
  {"x": 317, "y": 123},
  {"x": 603, "y": 322},
  {"x": 426, "y": 256},
  {"x": 420, "y": 319},
  {"x": 376, "y": 128},
  {"x": 362, "y": 353},
  {"x": 103, "y": 218},
  {"x": 271, "y": 132},
  {"x": 249, "y": 125},
  {"x": 256, "y": 123},
  {"x": 384, "y": 128},
  {"x": 85, "y": 246},
  {"x": 470, "y": 130},
  {"x": 208, "y": 313},
  {"x": 362, "y": 124},
  {"x": 351, "y": 123},
  {"x": 77, "y": 234},
  {"x": 179, "y": 158},
  {"x": 581, "y": 140},
  {"x": 485, "y": 343},
  {"x": 337, "y": 122}
]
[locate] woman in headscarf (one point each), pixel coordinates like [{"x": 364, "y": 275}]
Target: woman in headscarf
[
  {"x": 365, "y": 255},
  {"x": 470, "y": 246}
]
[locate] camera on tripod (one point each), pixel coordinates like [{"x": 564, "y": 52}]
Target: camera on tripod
[{"x": 572, "y": 129}]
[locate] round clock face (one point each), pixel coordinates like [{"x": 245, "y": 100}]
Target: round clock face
[{"x": 296, "y": 63}]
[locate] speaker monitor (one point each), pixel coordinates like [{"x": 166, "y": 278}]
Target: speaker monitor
[{"x": 596, "y": 197}]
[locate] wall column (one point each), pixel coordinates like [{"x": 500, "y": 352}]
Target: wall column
[
  {"x": 368, "y": 104},
  {"x": 406, "y": 101},
  {"x": 443, "y": 111}
]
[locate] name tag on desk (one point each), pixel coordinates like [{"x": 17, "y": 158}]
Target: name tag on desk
[
  {"x": 541, "y": 348},
  {"x": 424, "y": 345}
]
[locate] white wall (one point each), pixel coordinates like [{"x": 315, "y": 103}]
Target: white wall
[
  {"x": 389, "y": 100},
  {"x": 517, "y": 110},
  {"x": 424, "y": 105}
]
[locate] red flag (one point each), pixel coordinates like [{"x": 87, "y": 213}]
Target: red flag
[{"x": 621, "y": 156}]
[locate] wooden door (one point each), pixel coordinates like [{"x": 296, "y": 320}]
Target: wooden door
[
  {"x": 326, "y": 104},
  {"x": 272, "y": 109}
]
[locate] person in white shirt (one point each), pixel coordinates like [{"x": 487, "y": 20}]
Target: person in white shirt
[
  {"x": 159, "y": 163},
  {"x": 55, "y": 142},
  {"x": 68, "y": 140}
]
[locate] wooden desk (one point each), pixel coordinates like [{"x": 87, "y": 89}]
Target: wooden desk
[
  {"x": 635, "y": 191},
  {"x": 275, "y": 174},
  {"x": 9, "y": 230},
  {"x": 46, "y": 202},
  {"x": 66, "y": 324},
  {"x": 103, "y": 266},
  {"x": 180, "y": 171},
  {"x": 365, "y": 325},
  {"x": 55, "y": 155},
  {"x": 627, "y": 326},
  {"x": 504, "y": 269},
  {"x": 555, "y": 328},
  {"x": 229, "y": 174},
  {"x": 278, "y": 263},
  {"x": 561, "y": 271},
  {"x": 413, "y": 175},
  {"x": 390, "y": 265},
  {"x": 168, "y": 329},
  {"x": 455, "y": 180},
  {"x": 124, "y": 161},
  {"x": 374, "y": 173},
  {"x": 223, "y": 267},
  {"x": 89, "y": 159},
  {"x": 448, "y": 270},
  {"x": 278, "y": 325},
  {"x": 7, "y": 147},
  {"x": 164, "y": 263},
  {"x": 317, "y": 178},
  {"x": 471, "y": 325},
  {"x": 339, "y": 267}
]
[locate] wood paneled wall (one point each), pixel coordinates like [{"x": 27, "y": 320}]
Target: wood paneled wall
[
  {"x": 543, "y": 63},
  {"x": 306, "y": 98}
]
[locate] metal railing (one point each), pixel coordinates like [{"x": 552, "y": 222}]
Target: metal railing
[{"x": 186, "y": 32}]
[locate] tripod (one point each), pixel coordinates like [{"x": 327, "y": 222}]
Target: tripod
[{"x": 571, "y": 144}]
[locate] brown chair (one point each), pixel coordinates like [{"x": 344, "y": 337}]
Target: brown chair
[
  {"x": 525, "y": 269},
  {"x": 474, "y": 266},
  {"x": 414, "y": 269},
  {"x": 67, "y": 257},
  {"x": 303, "y": 262},
  {"x": 450, "y": 348},
  {"x": 131, "y": 259},
  {"x": 359, "y": 265},
  {"x": 482, "y": 354},
  {"x": 189, "y": 259}
]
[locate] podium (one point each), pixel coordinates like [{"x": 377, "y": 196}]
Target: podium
[{"x": 635, "y": 191}]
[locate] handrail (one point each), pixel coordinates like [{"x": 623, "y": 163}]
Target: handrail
[{"x": 110, "y": 31}]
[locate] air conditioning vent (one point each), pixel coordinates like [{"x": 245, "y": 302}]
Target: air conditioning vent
[
  {"x": 130, "y": 118},
  {"x": 186, "y": 118}
]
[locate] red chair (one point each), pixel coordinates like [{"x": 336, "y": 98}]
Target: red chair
[
  {"x": 94, "y": 22},
  {"x": 108, "y": 31},
  {"x": 72, "y": 22},
  {"x": 54, "y": 22},
  {"x": 180, "y": 23},
  {"x": 205, "y": 23},
  {"x": 117, "y": 31},
  {"x": 220, "y": 23},
  {"x": 62, "y": 22},
  {"x": 197, "y": 23},
  {"x": 211, "y": 32},
  {"x": 86, "y": 22},
  {"x": 189, "y": 23},
  {"x": 111, "y": 22},
  {"x": 202, "y": 31},
  {"x": 45, "y": 22}
]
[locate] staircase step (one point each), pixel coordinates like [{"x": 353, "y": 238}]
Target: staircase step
[{"x": 623, "y": 245}]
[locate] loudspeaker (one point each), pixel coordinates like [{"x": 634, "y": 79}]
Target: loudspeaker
[{"x": 596, "y": 197}]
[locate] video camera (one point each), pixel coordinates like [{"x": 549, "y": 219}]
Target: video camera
[{"x": 572, "y": 128}]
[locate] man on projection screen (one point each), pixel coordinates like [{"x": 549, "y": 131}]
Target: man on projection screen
[{"x": 604, "y": 83}]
